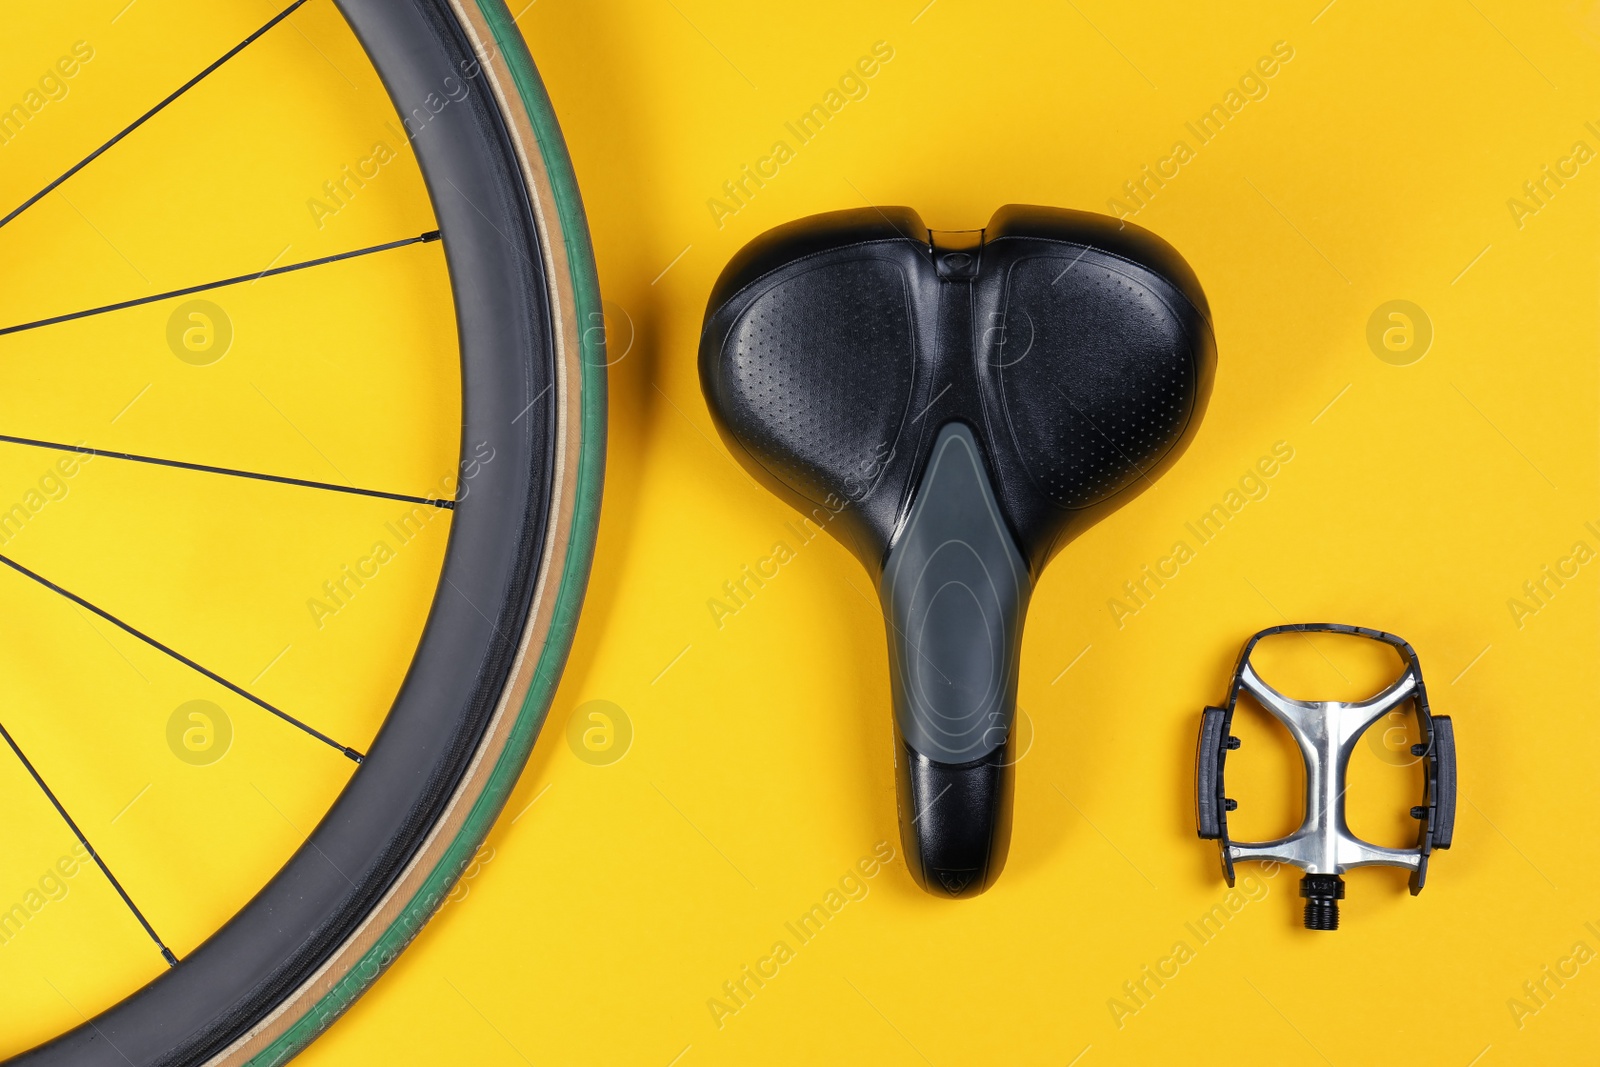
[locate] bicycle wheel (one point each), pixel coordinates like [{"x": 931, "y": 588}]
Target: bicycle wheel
[{"x": 480, "y": 441}]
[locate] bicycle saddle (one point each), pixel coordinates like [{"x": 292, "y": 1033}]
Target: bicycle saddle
[{"x": 955, "y": 407}]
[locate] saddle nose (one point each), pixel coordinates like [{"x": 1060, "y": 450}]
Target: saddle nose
[{"x": 955, "y": 406}]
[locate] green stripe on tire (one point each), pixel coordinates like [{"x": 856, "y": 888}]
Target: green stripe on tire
[{"x": 574, "y": 575}]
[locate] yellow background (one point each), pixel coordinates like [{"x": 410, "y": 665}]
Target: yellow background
[{"x": 613, "y": 901}]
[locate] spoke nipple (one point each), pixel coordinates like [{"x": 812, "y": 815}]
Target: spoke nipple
[
  {"x": 166, "y": 953},
  {"x": 1419, "y": 812},
  {"x": 1419, "y": 750},
  {"x": 1234, "y": 742},
  {"x": 1229, "y": 804}
]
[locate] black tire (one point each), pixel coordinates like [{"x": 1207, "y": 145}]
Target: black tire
[{"x": 533, "y": 390}]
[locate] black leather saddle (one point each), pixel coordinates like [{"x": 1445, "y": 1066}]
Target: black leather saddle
[{"x": 955, "y": 407}]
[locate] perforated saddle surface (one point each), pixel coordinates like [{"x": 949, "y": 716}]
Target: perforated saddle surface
[{"x": 955, "y": 407}]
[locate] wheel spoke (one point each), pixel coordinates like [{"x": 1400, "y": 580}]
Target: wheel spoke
[
  {"x": 180, "y": 657},
  {"x": 166, "y": 953},
  {"x": 85, "y": 450},
  {"x": 148, "y": 115},
  {"x": 270, "y": 272}
]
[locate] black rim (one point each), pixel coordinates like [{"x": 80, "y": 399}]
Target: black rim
[{"x": 465, "y": 657}]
